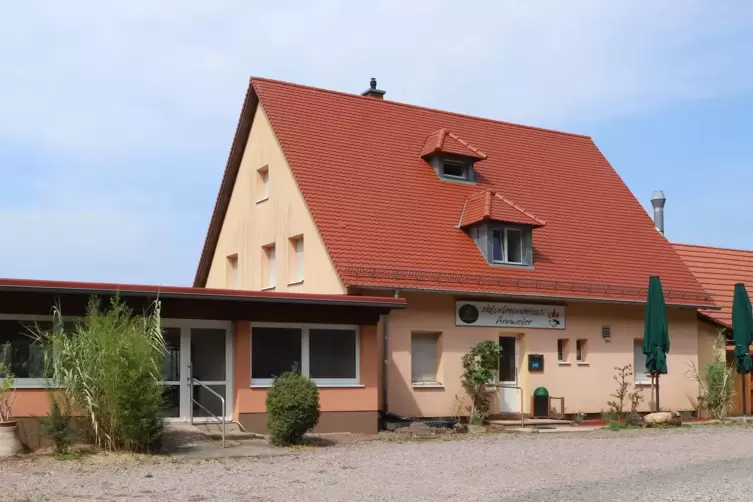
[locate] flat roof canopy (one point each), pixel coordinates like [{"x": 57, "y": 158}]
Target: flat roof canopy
[{"x": 37, "y": 297}]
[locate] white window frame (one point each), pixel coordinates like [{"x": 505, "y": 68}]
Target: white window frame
[
  {"x": 270, "y": 252},
  {"x": 437, "y": 359},
  {"x": 263, "y": 177},
  {"x": 522, "y": 251},
  {"x": 640, "y": 377},
  {"x": 305, "y": 327},
  {"x": 37, "y": 382},
  {"x": 582, "y": 344},
  {"x": 299, "y": 259},
  {"x": 565, "y": 352}
]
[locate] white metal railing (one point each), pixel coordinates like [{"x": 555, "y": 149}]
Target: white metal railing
[
  {"x": 193, "y": 401},
  {"x": 520, "y": 392}
]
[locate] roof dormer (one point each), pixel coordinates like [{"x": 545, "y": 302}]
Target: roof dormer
[
  {"x": 451, "y": 156},
  {"x": 502, "y": 229}
]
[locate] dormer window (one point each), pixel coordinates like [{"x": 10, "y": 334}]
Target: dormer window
[
  {"x": 502, "y": 230},
  {"x": 455, "y": 170},
  {"x": 507, "y": 246},
  {"x": 451, "y": 156}
]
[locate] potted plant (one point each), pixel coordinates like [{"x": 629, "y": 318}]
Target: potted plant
[{"x": 10, "y": 444}]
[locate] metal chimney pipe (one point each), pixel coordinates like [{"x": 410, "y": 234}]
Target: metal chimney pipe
[{"x": 658, "y": 200}]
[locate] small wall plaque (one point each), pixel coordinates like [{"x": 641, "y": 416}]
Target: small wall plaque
[{"x": 535, "y": 362}]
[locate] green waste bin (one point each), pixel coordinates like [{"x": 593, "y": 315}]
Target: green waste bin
[{"x": 541, "y": 403}]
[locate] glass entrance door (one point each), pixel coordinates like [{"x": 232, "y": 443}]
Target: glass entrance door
[
  {"x": 208, "y": 357},
  {"x": 171, "y": 372},
  {"x": 200, "y": 350}
]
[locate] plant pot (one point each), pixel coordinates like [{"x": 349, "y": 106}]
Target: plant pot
[{"x": 10, "y": 444}]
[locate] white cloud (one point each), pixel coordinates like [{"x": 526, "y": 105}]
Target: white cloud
[{"x": 102, "y": 77}]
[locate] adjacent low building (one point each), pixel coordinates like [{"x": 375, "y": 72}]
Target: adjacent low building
[{"x": 488, "y": 230}]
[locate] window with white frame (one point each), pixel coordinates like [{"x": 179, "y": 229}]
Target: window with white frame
[
  {"x": 507, "y": 246},
  {"x": 295, "y": 262},
  {"x": 262, "y": 181},
  {"x": 28, "y": 360},
  {"x": 639, "y": 363},
  {"x": 232, "y": 271},
  {"x": 424, "y": 358},
  {"x": 328, "y": 354},
  {"x": 562, "y": 350},
  {"x": 581, "y": 350},
  {"x": 269, "y": 273}
]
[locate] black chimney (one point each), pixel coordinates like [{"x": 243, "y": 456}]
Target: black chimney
[{"x": 372, "y": 91}]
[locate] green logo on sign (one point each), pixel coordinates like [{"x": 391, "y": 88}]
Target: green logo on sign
[{"x": 468, "y": 313}]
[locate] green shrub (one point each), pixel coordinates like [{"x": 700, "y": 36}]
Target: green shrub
[
  {"x": 109, "y": 367},
  {"x": 480, "y": 366},
  {"x": 292, "y": 408},
  {"x": 716, "y": 382},
  {"x": 56, "y": 426}
]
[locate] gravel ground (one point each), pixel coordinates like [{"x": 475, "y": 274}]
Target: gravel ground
[{"x": 699, "y": 463}]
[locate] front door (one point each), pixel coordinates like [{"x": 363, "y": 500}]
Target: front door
[
  {"x": 509, "y": 395},
  {"x": 197, "y": 350}
]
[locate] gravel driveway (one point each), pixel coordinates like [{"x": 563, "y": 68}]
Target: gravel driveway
[{"x": 700, "y": 463}]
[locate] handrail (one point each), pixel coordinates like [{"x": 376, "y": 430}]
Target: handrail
[
  {"x": 522, "y": 418},
  {"x": 193, "y": 401}
]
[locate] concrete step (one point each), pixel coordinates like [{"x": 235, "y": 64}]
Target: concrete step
[
  {"x": 212, "y": 430},
  {"x": 530, "y": 422}
]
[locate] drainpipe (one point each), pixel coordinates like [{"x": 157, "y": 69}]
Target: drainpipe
[{"x": 386, "y": 360}]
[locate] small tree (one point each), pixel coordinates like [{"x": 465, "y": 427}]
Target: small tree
[
  {"x": 292, "y": 408},
  {"x": 56, "y": 426},
  {"x": 480, "y": 367},
  {"x": 617, "y": 407}
]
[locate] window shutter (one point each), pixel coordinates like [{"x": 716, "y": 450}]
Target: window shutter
[{"x": 424, "y": 357}]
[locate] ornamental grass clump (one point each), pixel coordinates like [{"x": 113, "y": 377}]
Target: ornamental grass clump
[
  {"x": 109, "y": 369},
  {"x": 292, "y": 408},
  {"x": 716, "y": 382}
]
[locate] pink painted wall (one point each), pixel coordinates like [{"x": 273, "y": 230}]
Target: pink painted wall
[
  {"x": 252, "y": 400},
  {"x": 31, "y": 402},
  {"x": 586, "y": 388}
]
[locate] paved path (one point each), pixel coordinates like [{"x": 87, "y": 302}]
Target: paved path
[{"x": 700, "y": 463}]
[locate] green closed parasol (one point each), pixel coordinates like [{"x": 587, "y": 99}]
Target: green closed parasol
[
  {"x": 742, "y": 334},
  {"x": 656, "y": 333}
]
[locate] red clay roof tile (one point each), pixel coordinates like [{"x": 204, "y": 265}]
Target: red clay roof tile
[
  {"x": 718, "y": 270},
  {"x": 486, "y": 205},
  {"x": 443, "y": 141},
  {"x": 387, "y": 220}
]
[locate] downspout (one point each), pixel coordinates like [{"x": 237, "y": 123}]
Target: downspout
[{"x": 385, "y": 362}]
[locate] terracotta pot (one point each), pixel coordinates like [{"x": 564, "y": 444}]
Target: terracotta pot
[
  {"x": 9, "y": 423},
  {"x": 10, "y": 444}
]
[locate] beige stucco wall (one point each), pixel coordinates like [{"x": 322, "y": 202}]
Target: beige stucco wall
[
  {"x": 706, "y": 349},
  {"x": 586, "y": 388},
  {"x": 249, "y": 225}
]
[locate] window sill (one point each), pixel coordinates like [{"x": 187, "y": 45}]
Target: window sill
[
  {"x": 583, "y": 363},
  {"x": 642, "y": 384},
  {"x": 262, "y": 200},
  {"x": 295, "y": 283},
  {"x": 427, "y": 385},
  {"x": 268, "y": 288},
  {"x": 564, "y": 363},
  {"x": 33, "y": 383}
]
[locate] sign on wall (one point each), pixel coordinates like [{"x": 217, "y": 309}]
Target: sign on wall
[{"x": 513, "y": 315}]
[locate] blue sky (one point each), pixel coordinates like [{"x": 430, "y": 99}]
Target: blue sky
[{"x": 116, "y": 118}]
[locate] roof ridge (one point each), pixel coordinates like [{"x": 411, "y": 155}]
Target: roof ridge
[
  {"x": 418, "y": 107},
  {"x": 520, "y": 208},
  {"x": 466, "y": 144},
  {"x": 716, "y": 248}
]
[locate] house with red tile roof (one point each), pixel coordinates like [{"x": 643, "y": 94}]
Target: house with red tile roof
[
  {"x": 718, "y": 270},
  {"x": 490, "y": 230}
]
